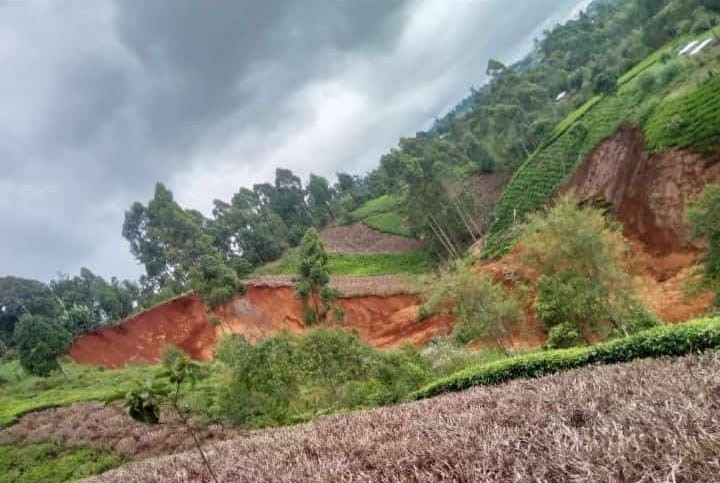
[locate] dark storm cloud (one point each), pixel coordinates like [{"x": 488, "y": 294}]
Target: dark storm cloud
[{"x": 100, "y": 100}]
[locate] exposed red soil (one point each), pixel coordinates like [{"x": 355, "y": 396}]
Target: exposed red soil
[
  {"x": 650, "y": 195},
  {"x": 360, "y": 238},
  {"x": 384, "y": 321}
]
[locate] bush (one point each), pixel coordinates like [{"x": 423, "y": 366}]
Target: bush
[
  {"x": 286, "y": 379},
  {"x": 40, "y": 341},
  {"x": 667, "y": 340},
  {"x": 484, "y": 309},
  {"x": 647, "y": 81},
  {"x": 704, "y": 217},
  {"x": 563, "y": 336}
]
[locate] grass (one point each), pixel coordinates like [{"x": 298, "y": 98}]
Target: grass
[
  {"x": 667, "y": 340},
  {"x": 22, "y": 393},
  {"x": 352, "y": 264},
  {"x": 383, "y": 214},
  {"x": 688, "y": 120},
  {"x": 48, "y": 463}
]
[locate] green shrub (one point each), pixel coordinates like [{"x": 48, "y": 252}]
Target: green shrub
[
  {"x": 688, "y": 121},
  {"x": 48, "y": 463},
  {"x": 484, "y": 309},
  {"x": 647, "y": 81},
  {"x": 667, "y": 340},
  {"x": 563, "y": 336},
  {"x": 704, "y": 217},
  {"x": 40, "y": 341}
]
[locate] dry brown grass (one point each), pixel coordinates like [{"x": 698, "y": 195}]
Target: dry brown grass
[
  {"x": 350, "y": 286},
  {"x": 647, "y": 421},
  {"x": 107, "y": 427}
]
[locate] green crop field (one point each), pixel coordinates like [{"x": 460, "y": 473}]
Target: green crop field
[
  {"x": 383, "y": 214},
  {"x": 49, "y": 463},
  {"x": 21, "y": 393},
  {"x": 350, "y": 264},
  {"x": 682, "y": 112}
]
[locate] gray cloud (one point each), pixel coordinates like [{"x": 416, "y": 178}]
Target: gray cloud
[{"x": 100, "y": 100}]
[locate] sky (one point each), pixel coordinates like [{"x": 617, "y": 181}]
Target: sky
[{"x": 100, "y": 100}]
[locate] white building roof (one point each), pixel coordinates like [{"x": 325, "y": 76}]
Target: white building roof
[
  {"x": 561, "y": 96},
  {"x": 704, "y": 44},
  {"x": 688, "y": 47}
]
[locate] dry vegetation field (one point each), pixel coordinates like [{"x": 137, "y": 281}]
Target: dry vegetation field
[{"x": 650, "y": 420}]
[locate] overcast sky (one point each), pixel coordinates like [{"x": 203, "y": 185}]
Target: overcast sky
[{"x": 99, "y": 100}]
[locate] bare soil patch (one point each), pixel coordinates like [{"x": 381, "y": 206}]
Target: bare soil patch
[
  {"x": 650, "y": 420},
  {"x": 360, "y": 238}
]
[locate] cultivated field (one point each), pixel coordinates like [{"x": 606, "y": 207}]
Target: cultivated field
[{"x": 650, "y": 420}]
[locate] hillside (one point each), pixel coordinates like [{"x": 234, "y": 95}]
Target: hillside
[
  {"x": 593, "y": 424},
  {"x": 662, "y": 100}
]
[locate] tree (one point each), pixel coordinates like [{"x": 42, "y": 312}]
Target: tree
[
  {"x": 313, "y": 287},
  {"x": 19, "y": 297},
  {"x": 40, "y": 341},
  {"x": 144, "y": 402},
  {"x": 320, "y": 197},
  {"x": 214, "y": 281},
  {"x": 579, "y": 258},
  {"x": 704, "y": 217},
  {"x": 604, "y": 83},
  {"x": 483, "y": 309},
  {"x": 78, "y": 320}
]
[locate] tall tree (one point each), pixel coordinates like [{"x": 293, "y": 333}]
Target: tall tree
[{"x": 313, "y": 286}]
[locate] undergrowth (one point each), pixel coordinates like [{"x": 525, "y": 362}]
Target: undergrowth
[
  {"x": 49, "y": 463},
  {"x": 667, "y": 340}
]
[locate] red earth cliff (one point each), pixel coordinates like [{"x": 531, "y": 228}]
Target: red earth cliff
[{"x": 384, "y": 321}]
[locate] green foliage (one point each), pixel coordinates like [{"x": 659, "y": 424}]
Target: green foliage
[
  {"x": 19, "y": 297},
  {"x": 313, "y": 285},
  {"x": 484, "y": 309},
  {"x": 284, "y": 379},
  {"x": 444, "y": 357},
  {"x": 23, "y": 392},
  {"x": 79, "y": 319},
  {"x": 358, "y": 264},
  {"x": 216, "y": 282},
  {"x": 540, "y": 175},
  {"x": 562, "y": 336},
  {"x": 691, "y": 120},
  {"x": 392, "y": 223},
  {"x": 382, "y": 204},
  {"x": 704, "y": 217},
  {"x": 40, "y": 341},
  {"x": 667, "y": 340},
  {"x": 579, "y": 257},
  {"x": 49, "y": 463},
  {"x": 384, "y": 214}
]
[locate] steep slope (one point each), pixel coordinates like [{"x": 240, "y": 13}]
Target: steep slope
[
  {"x": 383, "y": 310},
  {"x": 593, "y": 424}
]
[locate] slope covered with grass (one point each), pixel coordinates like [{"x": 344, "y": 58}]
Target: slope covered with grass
[
  {"x": 49, "y": 463},
  {"x": 675, "y": 102},
  {"x": 383, "y": 214},
  {"x": 21, "y": 393},
  {"x": 357, "y": 264}
]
